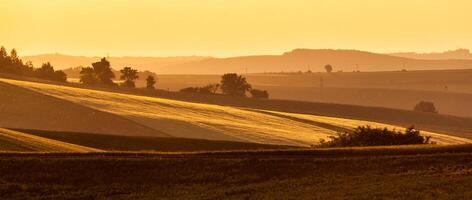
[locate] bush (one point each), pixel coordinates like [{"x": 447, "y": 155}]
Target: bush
[
  {"x": 367, "y": 136},
  {"x": 426, "y": 106},
  {"x": 208, "y": 89},
  {"x": 259, "y": 94}
]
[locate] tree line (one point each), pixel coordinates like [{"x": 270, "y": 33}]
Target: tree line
[
  {"x": 231, "y": 84},
  {"x": 12, "y": 64}
]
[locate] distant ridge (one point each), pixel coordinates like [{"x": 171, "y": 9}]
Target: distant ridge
[
  {"x": 292, "y": 61},
  {"x": 447, "y": 55}
]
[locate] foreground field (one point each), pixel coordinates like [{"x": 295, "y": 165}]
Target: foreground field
[
  {"x": 204, "y": 121},
  {"x": 411, "y": 173}
]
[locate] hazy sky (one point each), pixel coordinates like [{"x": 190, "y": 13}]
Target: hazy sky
[{"x": 232, "y": 27}]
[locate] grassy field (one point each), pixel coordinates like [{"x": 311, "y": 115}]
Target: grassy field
[
  {"x": 148, "y": 144},
  {"x": 202, "y": 121},
  {"x": 450, "y": 90},
  {"x": 14, "y": 141},
  {"x": 439, "y": 172}
]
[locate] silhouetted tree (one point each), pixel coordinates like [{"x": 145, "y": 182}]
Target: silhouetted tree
[
  {"x": 150, "y": 82},
  {"x": 426, "y": 106},
  {"x": 328, "y": 68},
  {"x": 103, "y": 72},
  {"x": 88, "y": 77},
  {"x": 129, "y": 75},
  {"x": 259, "y": 94},
  {"x": 234, "y": 85},
  {"x": 47, "y": 72}
]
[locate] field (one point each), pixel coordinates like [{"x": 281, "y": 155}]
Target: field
[
  {"x": 450, "y": 90},
  {"x": 359, "y": 173},
  {"x": 206, "y": 121},
  {"x": 173, "y": 146}
]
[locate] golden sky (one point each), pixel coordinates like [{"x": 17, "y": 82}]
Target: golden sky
[{"x": 232, "y": 27}]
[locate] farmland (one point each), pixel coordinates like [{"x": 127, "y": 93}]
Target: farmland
[
  {"x": 359, "y": 173},
  {"x": 202, "y": 121}
]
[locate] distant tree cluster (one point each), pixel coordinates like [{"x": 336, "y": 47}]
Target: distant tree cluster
[
  {"x": 425, "y": 106},
  {"x": 368, "y": 136},
  {"x": 231, "y": 84},
  {"x": 12, "y": 64},
  {"x": 99, "y": 73}
]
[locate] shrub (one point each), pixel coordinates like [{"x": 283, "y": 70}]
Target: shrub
[
  {"x": 426, "y": 106},
  {"x": 368, "y": 136},
  {"x": 208, "y": 89},
  {"x": 259, "y": 94}
]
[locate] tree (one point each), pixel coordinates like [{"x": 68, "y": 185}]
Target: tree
[
  {"x": 88, "y": 77},
  {"x": 259, "y": 94},
  {"x": 129, "y": 75},
  {"x": 103, "y": 72},
  {"x": 150, "y": 82},
  {"x": 234, "y": 85},
  {"x": 328, "y": 68},
  {"x": 47, "y": 72},
  {"x": 425, "y": 106}
]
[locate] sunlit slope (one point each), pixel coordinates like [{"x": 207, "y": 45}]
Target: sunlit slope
[
  {"x": 204, "y": 121},
  {"x": 18, "y": 141},
  {"x": 190, "y": 120},
  {"x": 26, "y": 109},
  {"x": 352, "y": 124}
]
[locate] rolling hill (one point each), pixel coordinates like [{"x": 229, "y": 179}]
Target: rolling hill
[
  {"x": 22, "y": 108},
  {"x": 18, "y": 141},
  {"x": 296, "y": 60},
  {"x": 206, "y": 121}
]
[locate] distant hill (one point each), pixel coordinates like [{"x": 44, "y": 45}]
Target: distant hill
[
  {"x": 447, "y": 55},
  {"x": 61, "y": 61},
  {"x": 296, "y": 60}
]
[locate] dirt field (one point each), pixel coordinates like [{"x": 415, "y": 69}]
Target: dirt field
[{"x": 444, "y": 173}]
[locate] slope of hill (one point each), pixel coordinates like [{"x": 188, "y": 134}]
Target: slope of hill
[
  {"x": 18, "y": 141},
  {"x": 22, "y": 108},
  {"x": 114, "y": 143},
  {"x": 298, "y": 59},
  {"x": 315, "y": 60},
  {"x": 203, "y": 121}
]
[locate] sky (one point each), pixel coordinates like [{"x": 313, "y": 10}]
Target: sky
[{"x": 226, "y": 28}]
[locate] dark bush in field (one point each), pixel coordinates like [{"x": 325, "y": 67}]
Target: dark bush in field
[
  {"x": 208, "y": 89},
  {"x": 426, "y": 106},
  {"x": 368, "y": 136},
  {"x": 259, "y": 94}
]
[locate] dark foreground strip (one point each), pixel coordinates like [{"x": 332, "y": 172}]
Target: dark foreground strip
[{"x": 328, "y": 152}]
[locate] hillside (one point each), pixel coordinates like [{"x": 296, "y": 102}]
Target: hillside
[
  {"x": 22, "y": 108},
  {"x": 296, "y": 60},
  {"x": 18, "y": 141},
  {"x": 314, "y": 60},
  {"x": 450, "y": 90},
  {"x": 118, "y": 143},
  {"x": 206, "y": 121}
]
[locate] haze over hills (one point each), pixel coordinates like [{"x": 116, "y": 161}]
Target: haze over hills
[
  {"x": 453, "y": 54},
  {"x": 296, "y": 60}
]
